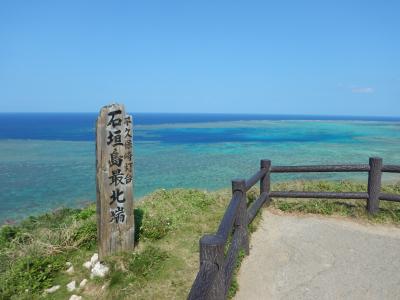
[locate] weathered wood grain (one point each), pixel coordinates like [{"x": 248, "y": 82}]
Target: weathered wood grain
[
  {"x": 391, "y": 169},
  {"x": 255, "y": 178},
  {"x": 230, "y": 260},
  {"x": 210, "y": 283},
  {"x": 320, "y": 168},
  {"x": 228, "y": 220},
  {"x": 327, "y": 195},
  {"x": 374, "y": 184},
  {"x": 242, "y": 220},
  {"x": 114, "y": 180},
  {"x": 265, "y": 180},
  {"x": 256, "y": 205},
  {"x": 389, "y": 197}
]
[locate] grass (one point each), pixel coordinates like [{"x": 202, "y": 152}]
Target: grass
[
  {"x": 33, "y": 254},
  {"x": 234, "y": 284},
  {"x": 389, "y": 211},
  {"x": 164, "y": 264}
]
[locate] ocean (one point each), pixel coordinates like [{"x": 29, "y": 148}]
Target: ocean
[{"x": 47, "y": 160}]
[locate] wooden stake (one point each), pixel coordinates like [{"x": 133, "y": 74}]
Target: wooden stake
[{"x": 114, "y": 181}]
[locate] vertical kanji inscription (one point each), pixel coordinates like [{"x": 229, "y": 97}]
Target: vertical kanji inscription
[{"x": 114, "y": 180}]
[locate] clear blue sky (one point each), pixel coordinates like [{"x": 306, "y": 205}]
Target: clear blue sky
[{"x": 293, "y": 57}]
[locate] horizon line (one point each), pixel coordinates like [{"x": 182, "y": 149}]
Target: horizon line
[{"x": 216, "y": 113}]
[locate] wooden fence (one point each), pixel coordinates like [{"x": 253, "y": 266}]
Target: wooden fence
[{"x": 217, "y": 262}]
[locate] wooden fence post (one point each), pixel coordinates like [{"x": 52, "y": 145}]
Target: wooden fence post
[
  {"x": 211, "y": 254},
  {"x": 374, "y": 184},
  {"x": 265, "y": 181},
  {"x": 242, "y": 220}
]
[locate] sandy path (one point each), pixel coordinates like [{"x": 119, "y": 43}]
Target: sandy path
[{"x": 310, "y": 257}]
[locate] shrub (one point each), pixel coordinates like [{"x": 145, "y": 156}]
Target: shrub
[
  {"x": 86, "y": 235},
  {"x": 29, "y": 273},
  {"x": 142, "y": 264},
  {"x": 7, "y": 233},
  {"x": 85, "y": 213},
  {"x": 155, "y": 227}
]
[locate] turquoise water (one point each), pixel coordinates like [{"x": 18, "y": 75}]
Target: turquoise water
[{"x": 38, "y": 175}]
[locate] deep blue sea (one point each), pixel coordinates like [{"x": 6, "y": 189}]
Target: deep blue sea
[{"x": 48, "y": 160}]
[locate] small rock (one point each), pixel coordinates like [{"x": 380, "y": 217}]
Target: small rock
[
  {"x": 75, "y": 297},
  {"x": 68, "y": 264},
  {"x": 99, "y": 270},
  {"x": 94, "y": 259},
  {"x": 70, "y": 270},
  {"x": 103, "y": 287},
  {"x": 52, "y": 289},
  {"x": 83, "y": 283},
  {"x": 87, "y": 265},
  {"x": 71, "y": 286}
]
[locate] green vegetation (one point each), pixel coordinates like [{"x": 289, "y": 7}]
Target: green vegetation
[
  {"x": 33, "y": 254},
  {"x": 234, "y": 284},
  {"x": 389, "y": 211}
]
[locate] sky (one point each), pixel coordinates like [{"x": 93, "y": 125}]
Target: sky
[{"x": 267, "y": 57}]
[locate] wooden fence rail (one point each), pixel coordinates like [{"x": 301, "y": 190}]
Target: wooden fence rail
[{"x": 217, "y": 262}]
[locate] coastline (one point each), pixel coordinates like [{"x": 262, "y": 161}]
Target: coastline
[
  {"x": 81, "y": 204},
  {"x": 46, "y": 165}
]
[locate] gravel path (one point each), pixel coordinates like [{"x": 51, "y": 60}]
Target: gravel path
[{"x": 311, "y": 257}]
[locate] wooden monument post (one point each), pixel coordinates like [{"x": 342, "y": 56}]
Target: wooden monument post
[{"x": 114, "y": 176}]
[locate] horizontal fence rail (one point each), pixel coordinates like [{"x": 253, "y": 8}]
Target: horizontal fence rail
[
  {"x": 255, "y": 178},
  {"x": 219, "y": 252},
  {"x": 328, "y": 168},
  {"x": 389, "y": 197},
  {"x": 391, "y": 169},
  {"x": 327, "y": 195}
]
